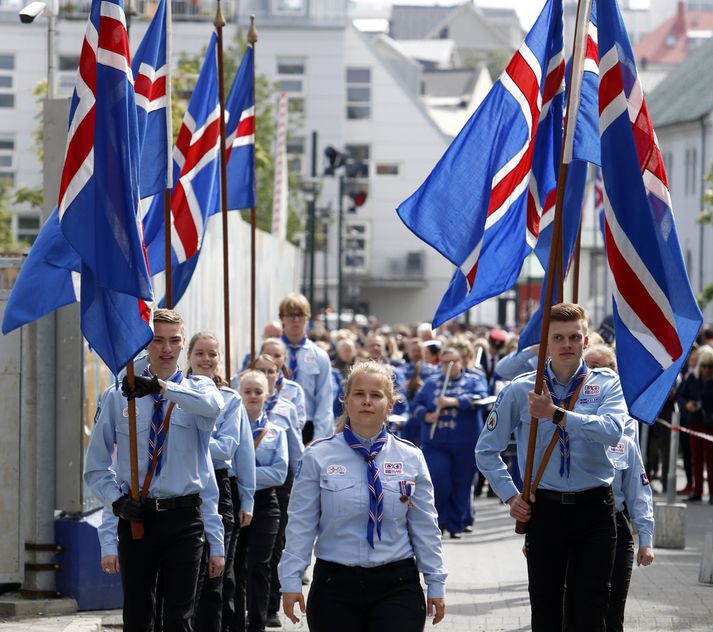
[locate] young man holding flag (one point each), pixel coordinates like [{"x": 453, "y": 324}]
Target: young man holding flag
[
  {"x": 179, "y": 494},
  {"x": 570, "y": 515}
]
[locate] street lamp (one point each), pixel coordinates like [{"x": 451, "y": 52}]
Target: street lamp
[{"x": 28, "y": 15}]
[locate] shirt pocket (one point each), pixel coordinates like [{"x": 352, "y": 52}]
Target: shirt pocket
[
  {"x": 339, "y": 495},
  {"x": 182, "y": 434},
  {"x": 122, "y": 442},
  {"x": 394, "y": 509}
]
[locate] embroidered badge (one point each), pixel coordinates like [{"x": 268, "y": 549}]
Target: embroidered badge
[
  {"x": 125, "y": 412},
  {"x": 618, "y": 448},
  {"x": 336, "y": 470},
  {"x": 591, "y": 389},
  {"x": 310, "y": 359},
  {"x": 281, "y": 409},
  {"x": 270, "y": 434},
  {"x": 298, "y": 469},
  {"x": 394, "y": 469},
  {"x": 644, "y": 479},
  {"x": 492, "y": 421}
]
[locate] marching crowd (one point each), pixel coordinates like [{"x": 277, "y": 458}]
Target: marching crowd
[{"x": 365, "y": 447}]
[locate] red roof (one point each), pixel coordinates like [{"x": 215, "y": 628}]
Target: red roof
[{"x": 669, "y": 43}]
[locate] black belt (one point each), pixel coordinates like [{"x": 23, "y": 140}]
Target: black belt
[
  {"x": 574, "y": 498},
  {"x": 178, "y": 502},
  {"x": 408, "y": 563}
]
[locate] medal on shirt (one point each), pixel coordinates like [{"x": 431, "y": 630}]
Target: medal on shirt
[{"x": 407, "y": 490}]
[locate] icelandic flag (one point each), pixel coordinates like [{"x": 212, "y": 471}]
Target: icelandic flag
[
  {"x": 45, "y": 282},
  {"x": 99, "y": 196},
  {"x": 150, "y": 84},
  {"x": 481, "y": 205},
  {"x": 656, "y": 317},
  {"x": 196, "y": 191},
  {"x": 240, "y": 136},
  {"x": 583, "y": 149}
]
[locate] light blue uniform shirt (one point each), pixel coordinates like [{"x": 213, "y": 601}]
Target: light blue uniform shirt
[
  {"x": 294, "y": 393},
  {"x": 314, "y": 376},
  {"x": 596, "y": 422},
  {"x": 242, "y": 465},
  {"x": 284, "y": 415},
  {"x": 106, "y": 531},
  {"x": 631, "y": 486},
  {"x": 516, "y": 363},
  {"x": 186, "y": 466},
  {"x": 225, "y": 437},
  {"x": 330, "y": 502},
  {"x": 271, "y": 458}
]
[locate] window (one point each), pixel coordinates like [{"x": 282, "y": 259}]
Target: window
[
  {"x": 7, "y": 159},
  {"x": 289, "y": 7},
  {"x": 356, "y": 246},
  {"x": 27, "y": 227},
  {"x": 358, "y": 93},
  {"x": 387, "y": 169},
  {"x": 691, "y": 171},
  {"x": 291, "y": 79},
  {"x": 359, "y": 167},
  {"x": 295, "y": 148},
  {"x": 67, "y": 74},
  {"x": 7, "y": 80}
]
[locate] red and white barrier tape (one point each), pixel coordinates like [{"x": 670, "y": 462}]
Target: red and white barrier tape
[{"x": 694, "y": 433}]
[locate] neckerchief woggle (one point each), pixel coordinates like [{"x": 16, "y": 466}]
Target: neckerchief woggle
[
  {"x": 563, "y": 402},
  {"x": 376, "y": 492},
  {"x": 157, "y": 431}
]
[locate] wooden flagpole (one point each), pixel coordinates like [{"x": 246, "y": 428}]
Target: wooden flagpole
[
  {"x": 219, "y": 23},
  {"x": 137, "y": 528},
  {"x": 169, "y": 167},
  {"x": 252, "y": 40},
  {"x": 575, "y": 269},
  {"x": 555, "y": 265}
]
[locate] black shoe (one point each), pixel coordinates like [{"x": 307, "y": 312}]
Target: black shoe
[
  {"x": 693, "y": 498},
  {"x": 454, "y": 535},
  {"x": 273, "y": 620}
]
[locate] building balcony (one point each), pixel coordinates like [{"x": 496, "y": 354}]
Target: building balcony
[{"x": 405, "y": 271}]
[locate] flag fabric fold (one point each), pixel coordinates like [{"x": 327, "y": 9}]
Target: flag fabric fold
[
  {"x": 482, "y": 204},
  {"x": 656, "y": 317},
  {"x": 99, "y": 194},
  {"x": 151, "y": 78}
]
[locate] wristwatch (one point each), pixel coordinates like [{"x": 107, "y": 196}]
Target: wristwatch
[{"x": 558, "y": 416}]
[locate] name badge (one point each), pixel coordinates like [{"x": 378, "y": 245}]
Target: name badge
[
  {"x": 336, "y": 470},
  {"x": 395, "y": 469},
  {"x": 591, "y": 389},
  {"x": 310, "y": 359}
]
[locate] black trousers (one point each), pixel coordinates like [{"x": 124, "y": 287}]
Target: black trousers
[
  {"x": 252, "y": 564},
  {"x": 283, "y": 500},
  {"x": 209, "y": 607},
  {"x": 621, "y": 575},
  {"x": 573, "y": 539},
  {"x": 356, "y": 599},
  {"x": 229, "y": 572},
  {"x": 172, "y": 545}
]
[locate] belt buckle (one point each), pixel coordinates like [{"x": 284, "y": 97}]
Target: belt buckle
[
  {"x": 158, "y": 504},
  {"x": 569, "y": 498}
]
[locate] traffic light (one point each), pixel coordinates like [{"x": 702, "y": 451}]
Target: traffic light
[
  {"x": 335, "y": 158},
  {"x": 358, "y": 197}
]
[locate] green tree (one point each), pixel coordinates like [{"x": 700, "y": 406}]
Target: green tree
[
  {"x": 7, "y": 242},
  {"x": 183, "y": 82}
]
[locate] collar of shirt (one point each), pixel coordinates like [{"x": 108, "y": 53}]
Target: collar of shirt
[
  {"x": 367, "y": 442},
  {"x": 553, "y": 377},
  {"x": 291, "y": 345}
]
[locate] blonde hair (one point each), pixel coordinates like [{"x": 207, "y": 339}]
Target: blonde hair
[
  {"x": 293, "y": 303},
  {"x": 372, "y": 368},
  {"x": 568, "y": 313},
  {"x": 705, "y": 356},
  {"x": 207, "y": 335},
  {"x": 604, "y": 350},
  {"x": 279, "y": 343},
  {"x": 258, "y": 376},
  {"x": 171, "y": 316}
]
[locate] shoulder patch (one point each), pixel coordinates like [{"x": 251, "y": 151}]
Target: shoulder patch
[
  {"x": 298, "y": 469},
  {"x": 492, "y": 421}
]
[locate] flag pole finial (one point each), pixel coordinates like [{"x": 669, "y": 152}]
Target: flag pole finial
[
  {"x": 219, "y": 20},
  {"x": 252, "y": 32}
]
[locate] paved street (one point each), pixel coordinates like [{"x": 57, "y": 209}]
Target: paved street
[{"x": 487, "y": 588}]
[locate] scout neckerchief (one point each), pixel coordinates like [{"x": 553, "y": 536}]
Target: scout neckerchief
[
  {"x": 259, "y": 432},
  {"x": 376, "y": 492},
  {"x": 159, "y": 427},
  {"x": 293, "y": 349},
  {"x": 567, "y": 402},
  {"x": 272, "y": 401}
]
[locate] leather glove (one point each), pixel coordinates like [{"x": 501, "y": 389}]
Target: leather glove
[
  {"x": 142, "y": 386},
  {"x": 128, "y": 509}
]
